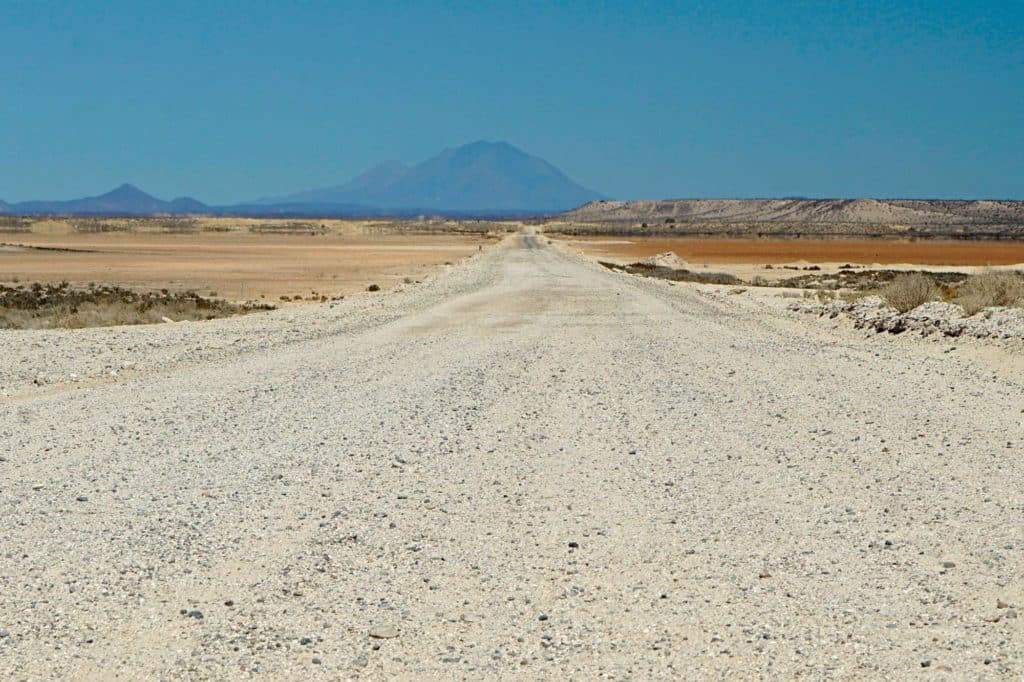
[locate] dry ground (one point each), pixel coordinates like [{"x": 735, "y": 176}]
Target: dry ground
[
  {"x": 238, "y": 265},
  {"x": 746, "y": 258},
  {"x": 527, "y": 467}
]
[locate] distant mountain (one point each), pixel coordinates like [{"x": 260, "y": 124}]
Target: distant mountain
[
  {"x": 479, "y": 177},
  {"x": 187, "y": 205},
  {"x": 381, "y": 175},
  {"x": 125, "y": 200}
]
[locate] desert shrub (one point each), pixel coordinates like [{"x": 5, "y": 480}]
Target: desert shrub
[
  {"x": 910, "y": 290},
  {"x": 990, "y": 289}
]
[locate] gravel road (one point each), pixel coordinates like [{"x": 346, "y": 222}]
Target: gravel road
[{"x": 526, "y": 466}]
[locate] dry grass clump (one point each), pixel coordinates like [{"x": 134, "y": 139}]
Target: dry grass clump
[
  {"x": 908, "y": 291},
  {"x": 53, "y": 306},
  {"x": 991, "y": 289}
]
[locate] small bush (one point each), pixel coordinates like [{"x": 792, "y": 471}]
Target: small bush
[
  {"x": 908, "y": 291},
  {"x": 990, "y": 289}
]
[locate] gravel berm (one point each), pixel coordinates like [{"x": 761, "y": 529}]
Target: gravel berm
[{"x": 525, "y": 467}]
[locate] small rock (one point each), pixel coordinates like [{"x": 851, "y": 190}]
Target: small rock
[
  {"x": 81, "y": 498},
  {"x": 926, "y": 663},
  {"x": 1000, "y": 604},
  {"x": 373, "y": 287},
  {"x": 361, "y": 662},
  {"x": 316, "y": 660},
  {"x": 574, "y": 545},
  {"x": 542, "y": 616},
  {"x": 949, "y": 564},
  {"x": 384, "y": 632},
  {"x": 305, "y": 641},
  {"x": 4, "y": 634}
]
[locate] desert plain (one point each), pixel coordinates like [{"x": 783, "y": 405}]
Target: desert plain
[
  {"x": 237, "y": 260},
  {"x": 522, "y": 465}
]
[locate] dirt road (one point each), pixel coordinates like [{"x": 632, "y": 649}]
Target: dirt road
[{"x": 527, "y": 467}]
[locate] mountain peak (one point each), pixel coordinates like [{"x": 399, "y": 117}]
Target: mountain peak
[
  {"x": 126, "y": 191},
  {"x": 488, "y": 144},
  {"x": 482, "y": 176},
  {"x": 126, "y": 199}
]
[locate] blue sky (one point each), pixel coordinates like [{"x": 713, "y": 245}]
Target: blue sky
[{"x": 228, "y": 101}]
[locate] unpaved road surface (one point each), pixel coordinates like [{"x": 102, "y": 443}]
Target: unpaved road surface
[{"x": 525, "y": 467}]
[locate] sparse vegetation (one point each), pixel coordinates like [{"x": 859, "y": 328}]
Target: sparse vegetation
[
  {"x": 908, "y": 291},
  {"x": 990, "y": 289},
  {"x": 49, "y": 306},
  {"x": 673, "y": 274},
  {"x": 10, "y": 223}
]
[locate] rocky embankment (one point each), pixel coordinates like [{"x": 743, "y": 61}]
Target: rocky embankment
[{"x": 947, "y": 319}]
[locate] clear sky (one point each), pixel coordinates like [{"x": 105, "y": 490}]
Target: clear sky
[{"x": 228, "y": 101}]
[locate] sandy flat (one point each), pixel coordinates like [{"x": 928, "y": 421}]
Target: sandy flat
[
  {"x": 526, "y": 467},
  {"x": 747, "y": 257},
  {"x": 235, "y": 265}
]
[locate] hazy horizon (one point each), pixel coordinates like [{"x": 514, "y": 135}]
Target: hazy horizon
[{"x": 660, "y": 100}]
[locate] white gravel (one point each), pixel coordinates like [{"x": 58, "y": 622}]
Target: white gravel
[{"x": 527, "y": 467}]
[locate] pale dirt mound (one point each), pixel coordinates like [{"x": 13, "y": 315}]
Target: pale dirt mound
[{"x": 668, "y": 259}]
